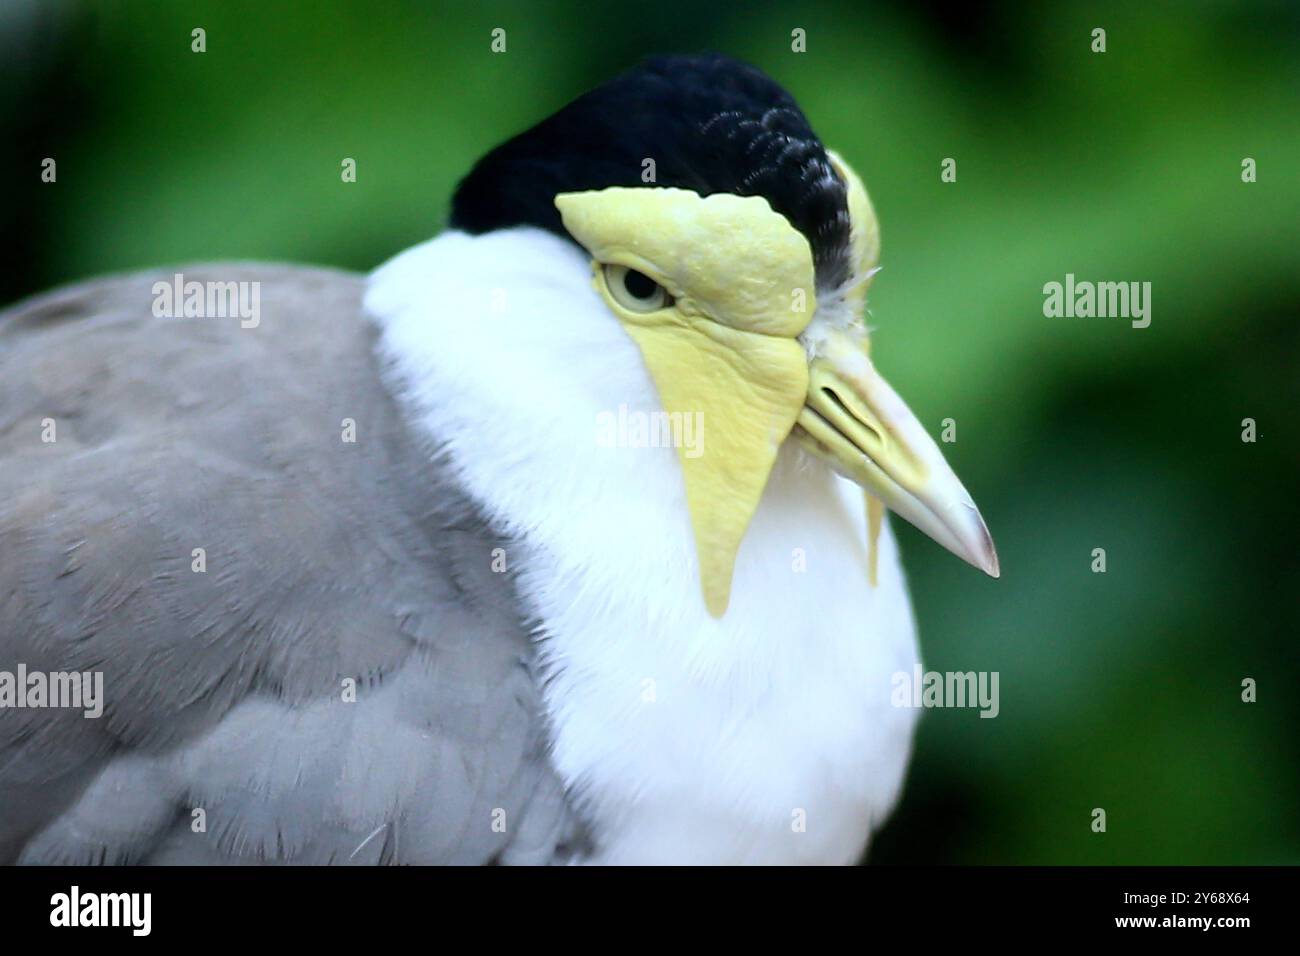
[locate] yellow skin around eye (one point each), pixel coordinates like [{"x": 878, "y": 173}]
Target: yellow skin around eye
[
  {"x": 726, "y": 348},
  {"x": 727, "y": 257}
]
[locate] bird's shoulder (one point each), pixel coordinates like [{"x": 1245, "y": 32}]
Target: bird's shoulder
[{"x": 295, "y": 610}]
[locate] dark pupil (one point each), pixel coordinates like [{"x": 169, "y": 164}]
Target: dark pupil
[{"x": 639, "y": 286}]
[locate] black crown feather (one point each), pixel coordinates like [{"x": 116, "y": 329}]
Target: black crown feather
[{"x": 710, "y": 123}]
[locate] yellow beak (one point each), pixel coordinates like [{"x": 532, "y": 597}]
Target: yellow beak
[{"x": 855, "y": 421}]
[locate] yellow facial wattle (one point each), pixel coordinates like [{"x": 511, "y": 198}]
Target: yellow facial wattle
[{"x": 742, "y": 282}]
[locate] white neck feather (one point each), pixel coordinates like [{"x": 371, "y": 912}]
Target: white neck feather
[{"x": 502, "y": 350}]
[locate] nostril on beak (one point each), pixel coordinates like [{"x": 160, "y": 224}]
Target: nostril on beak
[{"x": 846, "y": 409}]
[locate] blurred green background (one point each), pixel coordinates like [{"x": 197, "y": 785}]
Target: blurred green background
[{"x": 1118, "y": 690}]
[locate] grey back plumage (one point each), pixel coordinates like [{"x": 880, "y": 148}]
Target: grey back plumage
[{"x": 326, "y": 561}]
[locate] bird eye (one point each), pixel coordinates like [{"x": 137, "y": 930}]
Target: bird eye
[{"x": 634, "y": 290}]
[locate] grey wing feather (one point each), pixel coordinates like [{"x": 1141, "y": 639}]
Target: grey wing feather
[{"x": 228, "y": 733}]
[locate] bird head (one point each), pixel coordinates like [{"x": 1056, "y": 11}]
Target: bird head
[{"x": 736, "y": 251}]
